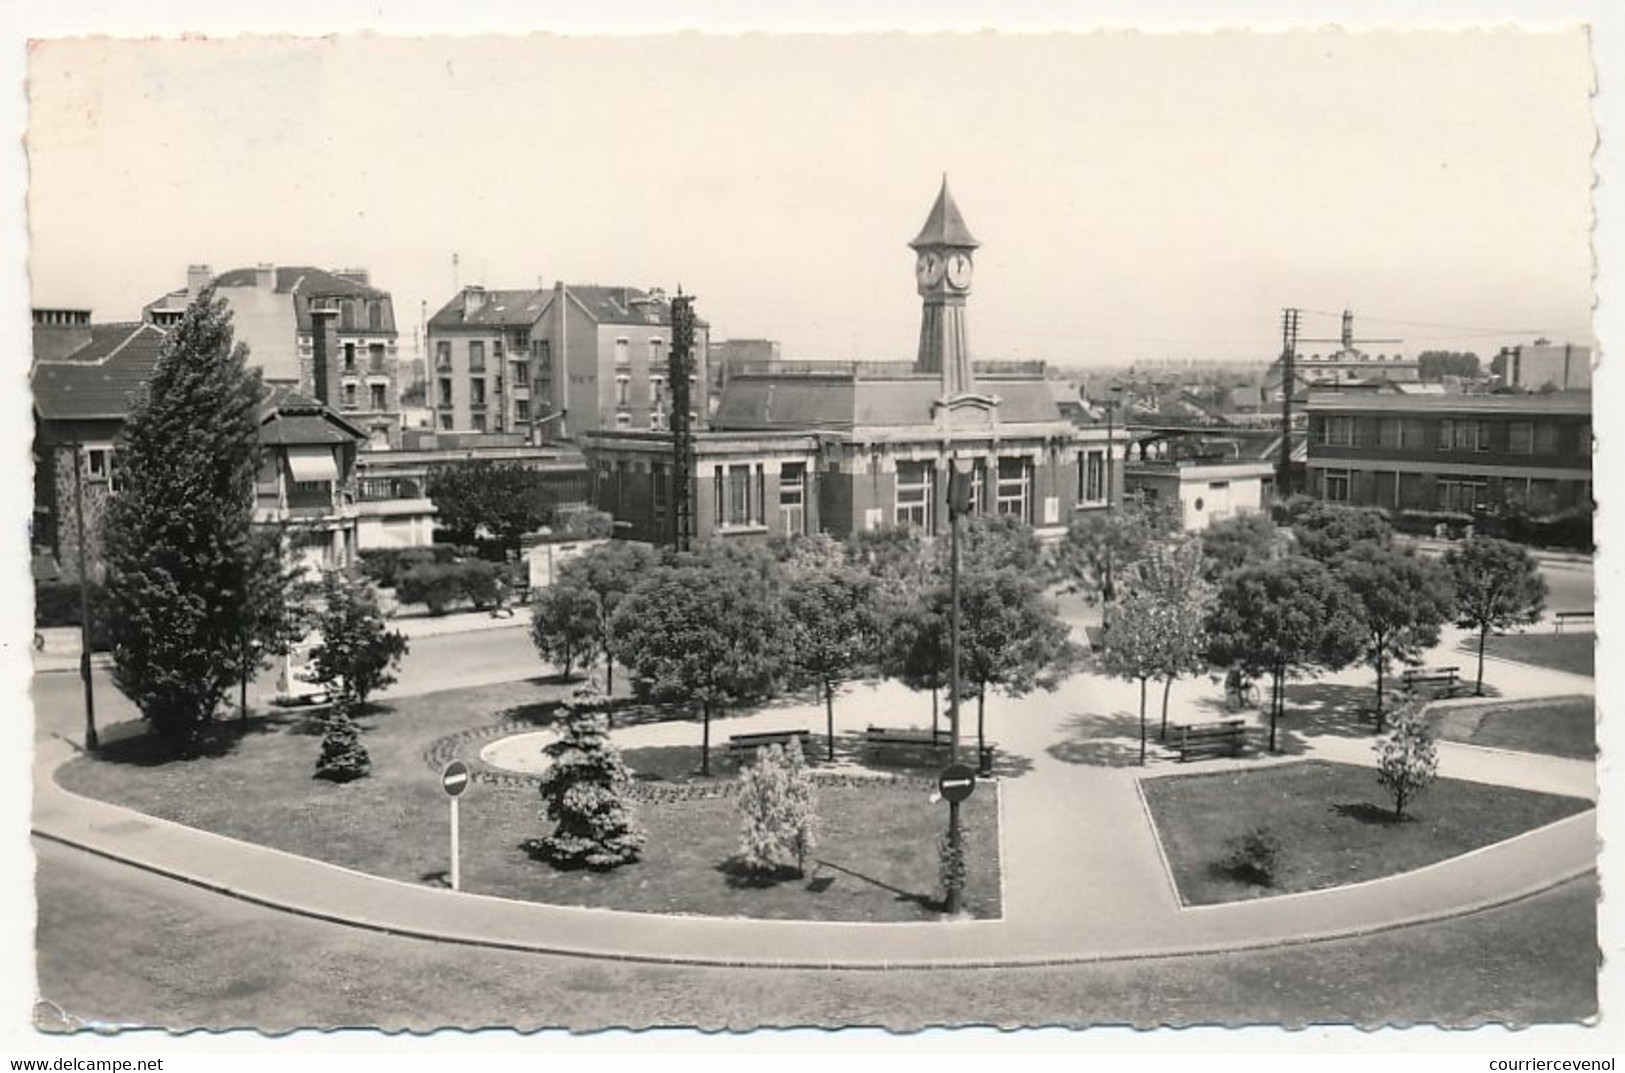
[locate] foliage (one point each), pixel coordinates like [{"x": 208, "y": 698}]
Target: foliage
[
  {"x": 1437, "y": 364},
  {"x": 1407, "y": 759},
  {"x": 440, "y": 585},
  {"x": 696, "y": 630},
  {"x": 1325, "y": 531},
  {"x": 1253, "y": 857},
  {"x": 603, "y": 575},
  {"x": 914, "y": 644},
  {"x": 1170, "y": 574},
  {"x": 179, "y": 535},
  {"x": 274, "y": 611},
  {"x": 564, "y": 627},
  {"x": 56, "y": 603},
  {"x": 1401, "y": 602},
  {"x": 358, "y": 654},
  {"x": 1100, "y": 545},
  {"x": 1497, "y": 586},
  {"x": 894, "y": 555},
  {"x": 575, "y": 523},
  {"x": 778, "y": 811},
  {"x": 584, "y": 792},
  {"x": 385, "y": 565},
  {"x": 1238, "y": 541},
  {"x": 989, "y": 542},
  {"x": 343, "y": 757},
  {"x": 833, "y": 632},
  {"x": 1134, "y": 647},
  {"x": 1284, "y": 617},
  {"x": 951, "y": 865},
  {"x": 804, "y": 552},
  {"x": 505, "y": 499}
]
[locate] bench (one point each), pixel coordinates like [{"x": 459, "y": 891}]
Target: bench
[
  {"x": 1191, "y": 739},
  {"x": 1564, "y": 618},
  {"x": 932, "y": 745},
  {"x": 742, "y": 745},
  {"x": 1447, "y": 678}
]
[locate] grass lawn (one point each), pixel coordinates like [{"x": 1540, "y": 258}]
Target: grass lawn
[
  {"x": 1333, "y": 822},
  {"x": 1555, "y": 726},
  {"x": 876, "y": 858},
  {"x": 1572, "y": 652}
]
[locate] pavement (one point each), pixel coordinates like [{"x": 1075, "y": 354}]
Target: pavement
[{"x": 1084, "y": 877}]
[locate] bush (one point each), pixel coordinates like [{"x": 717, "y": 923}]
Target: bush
[
  {"x": 1252, "y": 857},
  {"x": 56, "y": 603},
  {"x": 343, "y": 757},
  {"x": 570, "y": 524},
  {"x": 777, "y": 811},
  {"x": 1407, "y": 759},
  {"x": 585, "y": 794},
  {"x": 385, "y": 565},
  {"x": 440, "y": 585}
]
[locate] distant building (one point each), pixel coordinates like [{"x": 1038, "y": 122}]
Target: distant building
[
  {"x": 1456, "y": 453},
  {"x": 1348, "y": 363},
  {"x": 1206, "y": 476},
  {"x": 272, "y": 309},
  {"x": 1544, "y": 365},
  {"x": 555, "y": 364}
]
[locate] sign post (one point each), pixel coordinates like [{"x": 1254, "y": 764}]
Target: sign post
[{"x": 454, "y": 779}]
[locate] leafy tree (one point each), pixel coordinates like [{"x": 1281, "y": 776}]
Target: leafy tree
[
  {"x": 436, "y": 585},
  {"x": 895, "y": 555},
  {"x": 803, "y": 552},
  {"x": 604, "y": 575},
  {"x": 1101, "y": 545},
  {"x": 833, "y": 632},
  {"x": 1238, "y": 541},
  {"x": 358, "y": 654},
  {"x": 915, "y": 647},
  {"x": 274, "y": 612},
  {"x": 564, "y": 626},
  {"x": 1284, "y": 618},
  {"x": 182, "y": 560},
  {"x": 1171, "y": 574},
  {"x": 1497, "y": 586},
  {"x": 1325, "y": 531},
  {"x": 1435, "y": 365},
  {"x": 503, "y": 498},
  {"x": 695, "y": 631},
  {"x": 581, "y": 523},
  {"x": 1010, "y": 638},
  {"x": 989, "y": 542},
  {"x": 343, "y": 757},
  {"x": 1401, "y": 602},
  {"x": 584, "y": 792},
  {"x": 778, "y": 811},
  {"x": 1407, "y": 759},
  {"x": 1134, "y": 648}
]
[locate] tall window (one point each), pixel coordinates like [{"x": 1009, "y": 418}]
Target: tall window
[
  {"x": 1338, "y": 431},
  {"x": 1337, "y": 485},
  {"x": 375, "y": 357},
  {"x": 736, "y": 501},
  {"x": 1462, "y": 435},
  {"x": 544, "y": 357},
  {"x": 376, "y": 396},
  {"x": 521, "y": 411},
  {"x": 445, "y": 422},
  {"x": 793, "y": 498},
  {"x": 656, "y": 352},
  {"x": 479, "y": 422},
  {"x": 1583, "y": 441},
  {"x": 1521, "y": 437},
  {"x": 1391, "y": 432},
  {"x": 496, "y": 351},
  {"x": 442, "y": 354},
  {"x": 1092, "y": 477},
  {"x": 476, "y": 391},
  {"x": 1015, "y": 488},
  {"x": 349, "y": 358},
  {"x": 1545, "y": 438},
  {"x": 913, "y": 505},
  {"x": 349, "y": 396},
  {"x": 623, "y": 390},
  {"x": 623, "y": 352},
  {"x": 445, "y": 391},
  {"x": 476, "y": 355},
  {"x": 521, "y": 374}
]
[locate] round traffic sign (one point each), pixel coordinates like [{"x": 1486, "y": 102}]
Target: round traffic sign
[
  {"x": 956, "y": 782},
  {"x": 454, "y": 778}
]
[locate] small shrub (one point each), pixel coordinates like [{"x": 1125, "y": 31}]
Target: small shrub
[
  {"x": 385, "y": 565},
  {"x": 1407, "y": 759},
  {"x": 438, "y": 585},
  {"x": 481, "y": 583},
  {"x": 343, "y": 757},
  {"x": 777, "y": 811},
  {"x": 1252, "y": 857}
]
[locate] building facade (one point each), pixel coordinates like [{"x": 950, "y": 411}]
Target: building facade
[
  {"x": 1546, "y": 366},
  {"x": 1454, "y": 453}
]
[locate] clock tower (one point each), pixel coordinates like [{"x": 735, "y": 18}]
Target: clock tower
[{"x": 944, "y": 261}]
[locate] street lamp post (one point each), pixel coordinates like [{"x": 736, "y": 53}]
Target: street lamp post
[
  {"x": 958, "y": 504},
  {"x": 92, "y": 741}
]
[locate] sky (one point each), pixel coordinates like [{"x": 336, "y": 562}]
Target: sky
[{"x": 1138, "y": 196}]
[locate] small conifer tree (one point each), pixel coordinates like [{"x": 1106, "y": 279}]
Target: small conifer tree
[
  {"x": 343, "y": 757},
  {"x": 585, "y": 793},
  {"x": 778, "y": 811},
  {"x": 1407, "y": 759}
]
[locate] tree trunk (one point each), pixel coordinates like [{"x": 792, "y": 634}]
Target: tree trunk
[
  {"x": 934, "y": 731},
  {"x": 1377, "y": 662},
  {"x": 1483, "y": 635},
  {"x": 1142, "y": 722},
  {"x": 1167, "y": 685},
  {"x": 981, "y": 741},
  {"x": 829, "y": 718},
  {"x": 1276, "y": 694},
  {"x": 705, "y": 738}
]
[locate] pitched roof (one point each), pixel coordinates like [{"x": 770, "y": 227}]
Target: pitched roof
[
  {"x": 102, "y": 379},
  {"x": 501, "y": 309},
  {"x": 945, "y": 226},
  {"x": 302, "y": 279},
  {"x": 621, "y": 305}
]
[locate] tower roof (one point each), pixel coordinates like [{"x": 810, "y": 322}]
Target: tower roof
[{"x": 945, "y": 226}]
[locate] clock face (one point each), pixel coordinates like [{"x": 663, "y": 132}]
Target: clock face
[
  {"x": 959, "y": 270},
  {"x": 929, "y": 268}
]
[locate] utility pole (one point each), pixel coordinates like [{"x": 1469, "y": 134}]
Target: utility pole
[
  {"x": 1289, "y": 356},
  {"x": 92, "y": 741},
  {"x": 680, "y": 367},
  {"x": 959, "y": 488}
]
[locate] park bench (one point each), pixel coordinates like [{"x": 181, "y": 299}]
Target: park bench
[
  {"x": 742, "y": 745},
  {"x": 1446, "y": 679},
  {"x": 1565, "y": 618},
  {"x": 930, "y": 745},
  {"x": 1192, "y": 739}
]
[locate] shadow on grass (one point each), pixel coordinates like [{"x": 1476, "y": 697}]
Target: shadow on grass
[
  {"x": 924, "y": 901},
  {"x": 149, "y": 749},
  {"x": 742, "y": 876},
  {"x": 1369, "y": 814},
  {"x": 1104, "y": 740}
]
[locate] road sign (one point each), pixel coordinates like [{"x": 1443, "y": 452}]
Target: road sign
[
  {"x": 956, "y": 782},
  {"x": 454, "y": 778}
]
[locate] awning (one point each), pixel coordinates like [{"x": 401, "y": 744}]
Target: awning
[{"x": 313, "y": 464}]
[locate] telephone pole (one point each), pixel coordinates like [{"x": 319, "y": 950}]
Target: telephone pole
[
  {"x": 1289, "y": 357},
  {"x": 680, "y": 367}
]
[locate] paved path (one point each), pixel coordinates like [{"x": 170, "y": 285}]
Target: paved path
[{"x": 1084, "y": 879}]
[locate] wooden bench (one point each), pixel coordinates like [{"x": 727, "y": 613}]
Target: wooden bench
[
  {"x": 743, "y": 745},
  {"x": 1446, "y": 678},
  {"x": 932, "y": 745},
  {"x": 1564, "y": 618},
  {"x": 1191, "y": 739}
]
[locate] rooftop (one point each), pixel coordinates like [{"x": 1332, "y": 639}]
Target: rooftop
[{"x": 1557, "y": 402}]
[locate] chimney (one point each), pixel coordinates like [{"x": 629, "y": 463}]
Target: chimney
[
  {"x": 323, "y": 340},
  {"x": 197, "y": 278},
  {"x": 473, "y": 300},
  {"x": 265, "y": 276}
]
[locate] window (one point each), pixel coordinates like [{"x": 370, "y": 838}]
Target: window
[
  {"x": 914, "y": 480},
  {"x": 445, "y": 422},
  {"x": 496, "y": 351},
  {"x": 793, "y": 498},
  {"x": 1521, "y": 437},
  {"x": 657, "y": 390},
  {"x": 375, "y": 315},
  {"x": 1391, "y": 432},
  {"x": 623, "y": 352},
  {"x": 1545, "y": 438},
  {"x": 349, "y": 396},
  {"x": 656, "y": 352},
  {"x": 476, "y": 356},
  {"x": 1338, "y": 431},
  {"x": 478, "y": 422},
  {"x": 521, "y": 340},
  {"x": 623, "y": 390},
  {"x": 657, "y": 421},
  {"x": 521, "y": 374},
  {"x": 476, "y": 391},
  {"x": 1460, "y": 494},
  {"x": 376, "y": 396},
  {"x": 521, "y": 411},
  {"x": 375, "y": 357},
  {"x": 442, "y": 354},
  {"x": 1463, "y": 435},
  {"x": 623, "y": 420},
  {"x": 734, "y": 503},
  {"x": 98, "y": 463},
  {"x": 1583, "y": 441},
  {"x": 445, "y": 391},
  {"x": 1337, "y": 485},
  {"x": 1014, "y": 487},
  {"x": 544, "y": 357},
  {"x": 1092, "y": 477},
  {"x": 349, "y": 358}
]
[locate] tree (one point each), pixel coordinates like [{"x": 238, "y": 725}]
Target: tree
[
  {"x": 1171, "y": 575},
  {"x": 1401, "y": 601},
  {"x": 707, "y": 635},
  {"x": 358, "y": 654},
  {"x": 1284, "y": 618},
  {"x": 989, "y": 542},
  {"x": 1497, "y": 586},
  {"x": 1134, "y": 646},
  {"x": 1435, "y": 365},
  {"x": 778, "y": 811},
  {"x": 1407, "y": 759},
  {"x": 584, "y": 792},
  {"x": 1010, "y": 638},
  {"x": 564, "y": 626},
  {"x": 1325, "y": 531},
  {"x": 274, "y": 614},
  {"x": 1100, "y": 545},
  {"x": 1238, "y": 541},
  {"x": 605, "y": 574},
  {"x": 182, "y": 560},
  {"x": 915, "y": 647},
  {"x": 895, "y": 555},
  {"x": 504, "y": 499},
  {"x": 343, "y": 757},
  {"x": 833, "y": 632}
]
